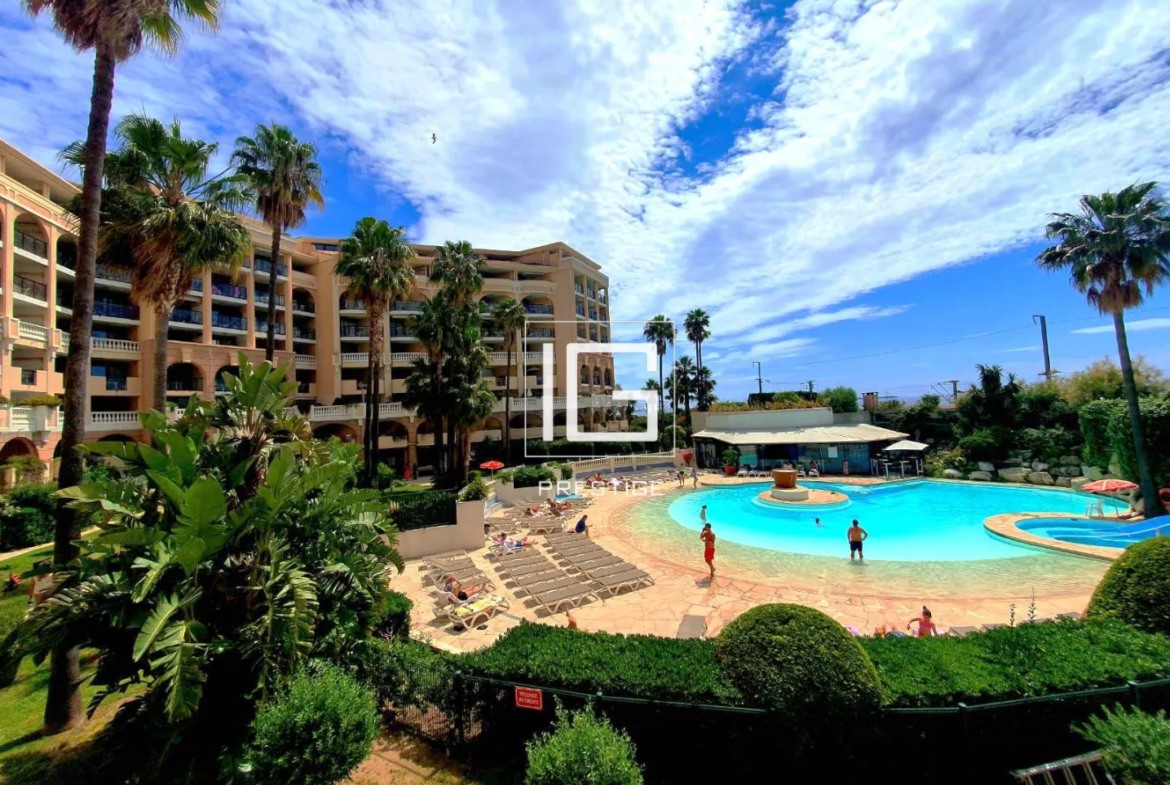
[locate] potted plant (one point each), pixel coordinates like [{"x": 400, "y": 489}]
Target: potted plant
[
  {"x": 42, "y": 406},
  {"x": 730, "y": 461}
]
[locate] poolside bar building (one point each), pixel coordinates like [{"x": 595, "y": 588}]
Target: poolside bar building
[{"x": 839, "y": 443}]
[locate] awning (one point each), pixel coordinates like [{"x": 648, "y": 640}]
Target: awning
[
  {"x": 907, "y": 445},
  {"x": 856, "y": 433}
]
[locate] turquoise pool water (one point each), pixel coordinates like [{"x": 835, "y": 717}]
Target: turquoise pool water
[
  {"x": 916, "y": 521},
  {"x": 1106, "y": 534}
]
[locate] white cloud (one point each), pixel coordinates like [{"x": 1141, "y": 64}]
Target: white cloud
[
  {"x": 1139, "y": 326},
  {"x": 1020, "y": 350},
  {"x": 904, "y": 137}
]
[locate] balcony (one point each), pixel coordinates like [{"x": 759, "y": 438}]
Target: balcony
[
  {"x": 114, "y": 385},
  {"x": 400, "y": 333},
  {"x": 305, "y": 334},
  {"x": 264, "y": 266},
  {"x": 408, "y": 306},
  {"x": 351, "y": 306},
  {"x": 355, "y": 359},
  {"x": 229, "y": 291},
  {"x": 336, "y": 413},
  {"x": 113, "y": 421},
  {"x": 28, "y": 377},
  {"x": 353, "y": 386},
  {"x": 536, "y": 309},
  {"x": 113, "y": 347},
  {"x": 578, "y": 288},
  {"x": 406, "y": 358},
  {"x": 360, "y": 332},
  {"x": 580, "y": 312},
  {"x": 262, "y": 327},
  {"x": 32, "y": 246},
  {"x": 107, "y": 274},
  {"x": 592, "y": 294},
  {"x": 262, "y": 300},
  {"x": 308, "y": 389},
  {"x": 303, "y": 306},
  {"x": 196, "y": 285},
  {"x": 306, "y": 361},
  {"x": 33, "y": 333},
  {"x": 220, "y": 321},
  {"x": 185, "y": 316},
  {"x": 111, "y": 310},
  {"x": 185, "y": 385},
  {"x": 540, "y": 334},
  {"x": 593, "y": 314},
  {"x": 602, "y": 298},
  {"x": 30, "y": 288}
]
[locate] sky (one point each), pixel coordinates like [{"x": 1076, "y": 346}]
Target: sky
[{"x": 854, "y": 190}]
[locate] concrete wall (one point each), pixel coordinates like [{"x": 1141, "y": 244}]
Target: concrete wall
[
  {"x": 465, "y": 535},
  {"x": 514, "y": 497},
  {"x": 763, "y": 420}
]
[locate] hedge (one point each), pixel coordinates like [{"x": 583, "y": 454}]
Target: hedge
[
  {"x": 1015, "y": 662},
  {"x": 1155, "y": 417},
  {"x": 1136, "y": 589},
  {"x": 582, "y": 749}
]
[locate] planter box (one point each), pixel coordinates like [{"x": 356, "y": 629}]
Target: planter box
[{"x": 465, "y": 535}]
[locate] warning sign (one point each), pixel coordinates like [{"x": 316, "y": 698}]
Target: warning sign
[{"x": 528, "y": 698}]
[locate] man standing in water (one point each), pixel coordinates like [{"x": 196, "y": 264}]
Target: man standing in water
[
  {"x": 708, "y": 538},
  {"x": 857, "y": 535}
]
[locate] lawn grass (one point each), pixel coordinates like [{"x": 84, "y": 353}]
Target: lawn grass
[{"x": 14, "y": 603}]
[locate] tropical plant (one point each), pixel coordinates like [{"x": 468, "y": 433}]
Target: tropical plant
[
  {"x": 165, "y": 220},
  {"x": 224, "y": 562},
  {"x": 115, "y": 31},
  {"x": 840, "y": 399},
  {"x": 993, "y": 403},
  {"x": 731, "y": 457},
  {"x": 282, "y": 179},
  {"x": 582, "y": 748},
  {"x": 316, "y": 733},
  {"x": 681, "y": 385},
  {"x": 660, "y": 332},
  {"x": 426, "y": 386},
  {"x": 1094, "y": 418},
  {"x": 509, "y": 316},
  {"x": 695, "y": 324},
  {"x": 1117, "y": 250},
  {"x": 376, "y": 262},
  {"x": 1135, "y": 746},
  {"x": 704, "y": 384},
  {"x": 458, "y": 269}
]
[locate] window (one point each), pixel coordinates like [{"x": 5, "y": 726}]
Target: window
[{"x": 327, "y": 246}]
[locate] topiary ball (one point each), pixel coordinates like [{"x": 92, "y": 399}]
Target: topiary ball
[
  {"x": 1136, "y": 589},
  {"x": 799, "y": 663}
]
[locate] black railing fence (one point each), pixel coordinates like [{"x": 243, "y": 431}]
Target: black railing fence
[
  {"x": 420, "y": 509},
  {"x": 478, "y": 719}
]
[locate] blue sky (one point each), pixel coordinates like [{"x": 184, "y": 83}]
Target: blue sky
[{"x": 830, "y": 179}]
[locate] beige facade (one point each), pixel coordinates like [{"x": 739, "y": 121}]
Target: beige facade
[{"x": 319, "y": 331}]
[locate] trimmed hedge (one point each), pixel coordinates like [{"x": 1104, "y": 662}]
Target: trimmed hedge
[
  {"x": 1136, "y": 589},
  {"x": 28, "y": 516},
  {"x": 1015, "y": 662},
  {"x": 800, "y": 664},
  {"x": 642, "y": 666}
]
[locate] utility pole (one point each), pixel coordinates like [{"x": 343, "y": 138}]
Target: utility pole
[
  {"x": 759, "y": 377},
  {"x": 1044, "y": 341},
  {"x": 810, "y": 385}
]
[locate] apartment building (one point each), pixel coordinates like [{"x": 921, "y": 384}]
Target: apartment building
[{"x": 321, "y": 333}]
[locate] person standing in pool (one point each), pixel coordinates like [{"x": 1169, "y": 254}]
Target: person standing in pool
[
  {"x": 694, "y": 477},
  {"x": 703, "y": 514},
  {"x": 708, "y": 538},
  {"x": 857, "y": 536}
]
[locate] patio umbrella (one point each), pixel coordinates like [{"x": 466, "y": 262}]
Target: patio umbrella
[
  {"x": 1109, "y": 486},
  {"x": 491, "y": 466}
]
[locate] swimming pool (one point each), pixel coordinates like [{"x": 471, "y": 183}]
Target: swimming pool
[
  {"x": 913, "y": 521},
  {"x": 1094, "y": 531}
]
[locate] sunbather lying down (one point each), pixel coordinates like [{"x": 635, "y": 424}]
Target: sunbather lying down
[
  {"x": 536, "y": 512},
  {"x": 509, "y": 544},
  {"x": 461, "y": 591}
]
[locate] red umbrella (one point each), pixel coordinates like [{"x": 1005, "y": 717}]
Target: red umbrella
[
  {"x": 1109, "y": 486},
  {"x": 491, "y": 466}
]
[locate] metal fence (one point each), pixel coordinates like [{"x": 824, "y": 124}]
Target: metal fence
[
  {"x": 479, "y": 719},
  {"x": 421, "y": 509}
]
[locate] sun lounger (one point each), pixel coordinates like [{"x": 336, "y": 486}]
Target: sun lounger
[
  {"x": 549, "y": 584},
  {"x": 593, "y": 561},
  {"x": 994, "y": 626},
  {"x": 573, "y": 546},
  {"x": 600, "y": 570},
  {"x": 961, "y": 632},
  {"x": 472, "y": 613},
  {"x": 459, "y": 571},
  {"x": 571, "y": 596},
  {"x": 441, "y": 560},
  {"x": 630, "y": 579},
  {"x": 692, "y": 627},
  {"x": 519, "y": 571}
]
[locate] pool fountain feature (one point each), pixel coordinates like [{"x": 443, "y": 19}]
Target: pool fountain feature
[{"x": 786, "y": 493}]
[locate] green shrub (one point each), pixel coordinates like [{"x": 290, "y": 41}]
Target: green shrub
[
  {"x": 1094, "y": 419},
  {"x": 1136, "y": 589},
  {"x": 1046, "y": 444},
  {"x": 1015, "y": 662},
  {"x": 530, "y": 476},
  {"x": 396, "y": 618},
  {"x": 1155, "y": 417},
  {"x": 799, "y": 663},
  {"x": 731, "y": 457},
  {"x": 840, "y": 399},
  {"x": 316, "y": 733},
  {"x": 39, "y": 400},
  {"x": 982, "y": 445},
  {"x": 386, "y": 476},
  {"x": 1135, "y": 746},
  {"x": 405, "y": 673},
  {"x": 28, "y": 516},
  {"x": 29, "y": 468},
  {"x": 582, "y": 749},
  {"x": 474, "y": 491},
  {"x": 641, "y": 666}
]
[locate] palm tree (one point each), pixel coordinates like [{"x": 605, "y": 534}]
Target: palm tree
[
  {"x": 695, "y": 325},
  {"x": 704, "y": 388},
  {"x": 681, "y": 385},
  {"x": 509, "y": 316},
  {"x": 377, "y": 262},
  {"x": 458, "y": 269},
  {"x": 426, "y": 387},
  {"x": 1117, "y": 250},
  {"x": 116, "y": 31},
  {"x": 283, "y": 180},
  {"x": 165, "y": 220},
  {"x": 660, "y": 332}
]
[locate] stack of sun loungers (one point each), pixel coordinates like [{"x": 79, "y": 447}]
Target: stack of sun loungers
[
  {"x": 608, "y": 573},
  {"x": 548, "y": 585},
  {"x": 478, "y": 608}
]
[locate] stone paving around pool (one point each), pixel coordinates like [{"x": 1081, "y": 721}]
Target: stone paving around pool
[{"x": 867, "y": 596}]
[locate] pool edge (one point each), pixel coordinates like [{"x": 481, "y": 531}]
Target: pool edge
[{"x": 1004, "y": 525}]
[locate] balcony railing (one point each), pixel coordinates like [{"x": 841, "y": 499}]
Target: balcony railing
[
  {"x": 114, "y": 418},
  {"x": 114, "y": 384},
  {"x": 305, "y": 333},
  {"x": 578, "y": 288},
  {"x": 351, "y": 305},
  {"x": 262, "y": 327},
  {"x": 33, "y": 245},
  {"x": 592, "y": 294},
  {"x": 115, "y": 310},
  {"x": 408, "y": 306},
  {"x": 397, "y": 331},
  {"x": 304, "y": 306},
  {"x": 262, "y": 299},
  {"x": 114, "y": 345},
  {"x": 28, "y": 377},
  {"x": 592, "y": 313},
  {"x": 228, "y": 322},
  {"x": 183, "y": 385},
  {"x": 580, "y": 311},
  {"x": 196, "y": 285},
  {"x": 30, "y": 288},
  {"x": 265, "y": 266},
  {"x": 538, "y": 309},
  {"x": 306, "y": 360},
  {"x": 355, "y": 331},
  {"x": 229, "y": 290},
  {"x": 541, "y": 332},
  {"x": 33, "y": 332},
  {"x": 187, "y": 316},
  {"x": 104, "y": 273},
  {"x": 602, "y": 298}
]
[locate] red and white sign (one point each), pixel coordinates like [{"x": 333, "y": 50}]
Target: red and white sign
[{"x": 528, "y": 698}]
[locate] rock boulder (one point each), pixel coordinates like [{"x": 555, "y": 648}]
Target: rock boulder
[
  {"x": 952, "y": 474},
  {"x": 984, "y": 466},
  {"x": 982, "y": 476},
  {"x": 1064, "y": 482},
  {"x": 1095, "y": 474},
  {"x": 1069, "y": 471},
  {"x": 1040, "y": 478},
  {"x": 1070, "y": 460},
  {"x": 1016, "y": 474},
  {"x": 1039, "y": 466}
]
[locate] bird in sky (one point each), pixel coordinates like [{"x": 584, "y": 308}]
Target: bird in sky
[{"x": 434, "y": 138}]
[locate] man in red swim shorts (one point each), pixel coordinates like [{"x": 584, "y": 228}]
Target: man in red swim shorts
[{"x": 708, "y": 538}]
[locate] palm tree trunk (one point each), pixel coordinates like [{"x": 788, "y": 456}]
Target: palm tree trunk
[
  {"x": 63, "y": 702},
  {"x": 271, "y": 331},
  {"x": 375, "y": 390},
  {"x": 368, "y": 420},
  {"x": 508, "y": 408},
  {"x": 1153, "y": 505},
  {"x": 661, "y": 383},
  {"x": 162, "y": 316}
]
